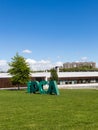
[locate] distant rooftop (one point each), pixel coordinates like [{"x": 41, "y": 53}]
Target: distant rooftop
[{"x": 60, "y": 74}]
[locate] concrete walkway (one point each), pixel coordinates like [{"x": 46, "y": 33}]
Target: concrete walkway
[
  {"x": 13, "y": 88},
  {"x": 79, "y": 86}
]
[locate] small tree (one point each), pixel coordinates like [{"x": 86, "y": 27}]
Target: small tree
[
  {"x": 54, "y": 75},
  {"x": 19, "y": 70}
]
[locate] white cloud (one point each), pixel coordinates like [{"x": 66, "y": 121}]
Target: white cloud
[
  {"x": 2, "y": 62},
  {"x": 59, "y": 63},
  {"x": 34, "y": 64},
  {"x": 39, "y": 65},
  {"x": 4, "y": 65},
  {"x": 44, "y": 62},
  {"x": 27, "y": 51},
  {"x": 31, "y": 61},
  {"x": 84, "y": 59}
]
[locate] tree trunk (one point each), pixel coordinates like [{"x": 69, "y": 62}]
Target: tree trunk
[{"x": 18, "y": 86}]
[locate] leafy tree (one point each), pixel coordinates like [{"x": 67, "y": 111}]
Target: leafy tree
[
  {"x": 54, "y": 75},
  {"x": 19, "y": 70}
]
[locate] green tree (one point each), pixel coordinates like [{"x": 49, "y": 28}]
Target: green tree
[
  {"x": 54, "y": 75},
  {"x": 19, "y": 70}
]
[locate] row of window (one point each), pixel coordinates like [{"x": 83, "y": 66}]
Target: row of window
[{"x": 80, "y": 81}]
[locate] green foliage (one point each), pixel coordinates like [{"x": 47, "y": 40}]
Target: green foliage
[
  {"x": 72, "y": 110},
  {"x": 54, "y": 75},
  {"x": 19, "y": 70},
  {"x": 77, "y": 69}
]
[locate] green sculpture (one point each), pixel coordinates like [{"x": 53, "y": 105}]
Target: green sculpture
[
  {"x": 35, "y": 86},
  {"x": 41, "y": 87},
  {"x": 53, "y": 89}
]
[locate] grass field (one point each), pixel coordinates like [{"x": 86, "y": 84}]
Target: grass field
[{"x": 72, "y": 110}]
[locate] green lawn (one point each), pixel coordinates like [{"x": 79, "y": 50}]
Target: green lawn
[{"x": 71, "y": 110}]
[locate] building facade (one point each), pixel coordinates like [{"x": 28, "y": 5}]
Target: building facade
[
  {"x": 65, "y": 78},
  {"x": 79, "y": 64}
]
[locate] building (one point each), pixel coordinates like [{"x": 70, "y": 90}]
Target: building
[
  {"x": 65, "y": 78},
  {"x": 79, "y": 64}
]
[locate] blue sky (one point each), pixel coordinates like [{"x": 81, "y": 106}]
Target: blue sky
[{"x": 49, "y": 31}]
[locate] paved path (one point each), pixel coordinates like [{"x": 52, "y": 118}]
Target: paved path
[
  {"x": 12, "y": 88},
  {"x": 66, "y": 86},
  {"x": 79, "y": 86}
]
